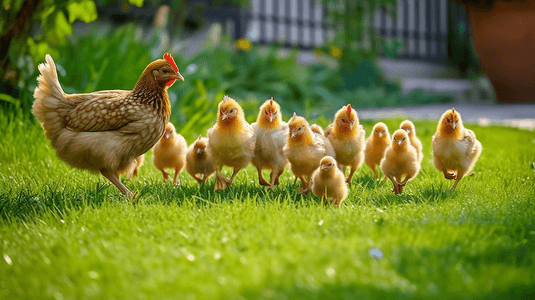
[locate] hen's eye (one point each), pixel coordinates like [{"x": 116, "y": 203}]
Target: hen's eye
[
  {"x": 343, "y": 120},
  {"x": 164, "y": 71}
]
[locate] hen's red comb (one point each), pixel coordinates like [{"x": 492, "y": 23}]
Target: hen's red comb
[
  {"x": 349, "y": 108},
  {"x": 453, "y": 110},
  {"x": 170, "y": 60},
  {"x": 271, "y": 101}
]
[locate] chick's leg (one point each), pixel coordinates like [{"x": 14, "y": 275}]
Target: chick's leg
[
  {"x": 175, "y": 180},
  {"x": 304, "y": 188},
  {"x": 351, "y": 171},
  {"x": 165, "y": 175},
  {"x": 112, "y": 177},
  {"x": 396, "y": 189},
  {"x": 199, "y": 180},
  {"x": 448, "y": 175},
  {"x": 374, "y": 169},
  {"x": 220, "y": 181},
  {"x": 459, "y": 176},
  {"x": 261, "y": 179}
]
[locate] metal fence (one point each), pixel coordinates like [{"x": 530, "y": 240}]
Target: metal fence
[{"x": 423, "y": 25}]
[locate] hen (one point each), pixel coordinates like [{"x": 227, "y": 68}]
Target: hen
[
  {"x": 105, "y": 131},
  {"x": 271, "y": 133},
  {"x": 304, "y": 149},
  {"x": 348, "y": 139},
  {"x": 455, "y": 148},
  {"x": 231, "y": 141}
]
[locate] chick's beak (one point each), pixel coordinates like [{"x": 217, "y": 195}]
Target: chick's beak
[
  {"x": 167, "y": 135},
  {"x": 199, "y": 151},
  {"x": 323, "y": 167},
  {"x": 381, "y": 134},
  {"x": 399, "y": 142}
]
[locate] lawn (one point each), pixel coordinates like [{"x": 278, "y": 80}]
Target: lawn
[{"x": 67, "y": 234}]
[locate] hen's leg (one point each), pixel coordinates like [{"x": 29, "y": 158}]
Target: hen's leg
[
  {"x": 278, "y": 176},
  {"x": 135, "y": 172},
  {"x": 261, "y": 179},
  {"x": 351, "y": 171},
  {"x": 117, "y": 182}
]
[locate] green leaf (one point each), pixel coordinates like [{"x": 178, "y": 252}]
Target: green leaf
[
  {"x": 84, "y": 10},
  {"x": 9, "y": 99},
  {"x": 138, "y": 3}
]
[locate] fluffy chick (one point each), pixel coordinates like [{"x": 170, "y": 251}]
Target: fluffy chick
[
  {"x": 400, "y": 160},
  {"x": 348, "y": 139},
  {"x": 199, "y": 161},
  {"x": 455, "y": 148},
  {"x": 170, "y": 152},
  {"x": 376, "y": 145},
  {"x": 270, "y": 135},
  {"x": 329, "y": 182},
  {"x": 231, "y": 141},
  {"x": 305, "y": 149},
  {"x": 134, "y": 168},
  {"x": 408, "y": 126}
]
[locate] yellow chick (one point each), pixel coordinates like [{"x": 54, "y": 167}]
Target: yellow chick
[
  {"x": 134, "y": 169},
  {"x": 271, "y": 134},
  {"x": 170, "y": 152},
  {"x": 376, "y": 145},
  {"x": 231, "y": 141},
  {"x": 455, "y": 148},
  {"x": 329, "y": 182},
  {"x": 348, "y": 139},
  {"x": 400, "y": 160},
  {"x": 199, "y": 161},
  {"x": 305, "y": 149},
  {"x": 408, "y": 126}
]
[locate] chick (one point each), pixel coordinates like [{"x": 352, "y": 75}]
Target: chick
[
  {"x": 170, "y": 152},
  {"x": 408, "y": 126},
  {"x": 231, "y": 141},
  {"x": 400, "y": 160},
  {"x": 329, "y": 182},
  {"x": 199, "y": 161},
  {"x": 348, "y": 139},
  {"x": 134, "y": 168},
  {"x": 305, "y": 149},
  {"x": 455, "y": 148},
  {"x": 270, "y": 135},
  {"x": 376, "y": 145}
]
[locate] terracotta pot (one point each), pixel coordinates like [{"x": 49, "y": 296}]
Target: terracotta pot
[{"x": 504, "y": 36}]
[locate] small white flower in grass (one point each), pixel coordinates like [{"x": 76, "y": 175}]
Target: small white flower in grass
[
  {"x": 190, "y": 257},
  {"x": 191, "y": 69},
  {"x": 217, "y": 256},
  {"x": 330, "y": 272},
  {"x": 83, "y": 229},
  {"x": 8, "y": 259},
  {"x": 93, "y": 275},
  {"x": 320, "y": 222},
  {"x": 62, "y": 222},
  {"x": 374, "y": 252}
]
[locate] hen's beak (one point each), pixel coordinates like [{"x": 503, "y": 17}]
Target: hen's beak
[
  {"x": 351, "y": 125},
  {"x": 178, "y": 76},
  {"x": 293, "y": 133},
  {"x": 224, "y": 116},
  {"x": 271, "y": 118},
  {"x": 454, "y": 125}
]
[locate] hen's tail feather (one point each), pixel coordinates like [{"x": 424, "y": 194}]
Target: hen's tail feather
[{"x": 50, "y": 105}]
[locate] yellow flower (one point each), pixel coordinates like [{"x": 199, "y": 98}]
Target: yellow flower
[
  {"x": 243, "y": 44},
  {"x": 318, "y": 52},
  {"x": 336, "y": 52}
]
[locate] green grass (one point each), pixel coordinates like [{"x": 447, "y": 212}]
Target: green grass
[{"x": 69, "y": 234}]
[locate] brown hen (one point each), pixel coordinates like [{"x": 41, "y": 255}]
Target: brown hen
[{"x": 105, "y": 131}]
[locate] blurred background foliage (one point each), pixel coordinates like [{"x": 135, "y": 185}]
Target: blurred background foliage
[{"x": 114, "y": 57}]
